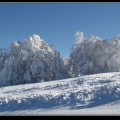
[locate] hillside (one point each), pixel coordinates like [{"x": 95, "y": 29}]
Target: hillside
[{"x": 90, "y": 94}]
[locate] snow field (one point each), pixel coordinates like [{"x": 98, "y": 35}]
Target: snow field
[{"x": 87, "y": 91}]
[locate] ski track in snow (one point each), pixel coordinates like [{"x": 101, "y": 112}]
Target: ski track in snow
[{"x": 84, "y": 95}]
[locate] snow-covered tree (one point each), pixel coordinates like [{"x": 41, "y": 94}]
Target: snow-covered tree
[
  {"x": 66, "y": 65},
  {"x": 32, "y": 60},
  {"x": 113, "y": 53},
  {"x": 4, "y": 54},
  {"x": 88, "y": 56}
]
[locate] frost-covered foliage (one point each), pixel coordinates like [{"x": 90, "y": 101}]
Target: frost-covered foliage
[
  {"x": 65, "y": 60},
  {"x": 30, "y": 61},
  {"x": 4, "y": 54},
  {"x": 94, "y": 55},
  {"x": 33, "y": 60},
  {"x": 66, "y": 65}
]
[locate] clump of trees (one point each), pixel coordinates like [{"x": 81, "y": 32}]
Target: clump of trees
[
  {"x": 93, "y": 55},
  {"x": 30, "y": 61},
  {"x": 33, "y": 60}
]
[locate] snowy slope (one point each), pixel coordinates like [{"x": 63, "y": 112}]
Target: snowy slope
[{"x": 90, "y": 94}]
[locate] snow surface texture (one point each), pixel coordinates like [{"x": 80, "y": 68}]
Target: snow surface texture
[{"x": 84, "y": 95}]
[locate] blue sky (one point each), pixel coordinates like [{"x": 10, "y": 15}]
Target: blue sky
[{"x": 57, "y": 23}]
